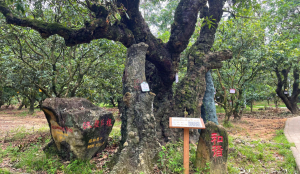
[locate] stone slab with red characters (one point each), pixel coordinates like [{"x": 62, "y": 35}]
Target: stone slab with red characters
[
  {"x": 78, "y": 128},
  {"x": 213, "y": 149}
]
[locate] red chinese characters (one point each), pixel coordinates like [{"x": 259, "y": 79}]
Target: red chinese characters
[
  {"x": 108, "y": 122},
  {"x": 96, "y": 123},
  {"x": 217, "y": 149},
  {"x": 87, "y": 124}
]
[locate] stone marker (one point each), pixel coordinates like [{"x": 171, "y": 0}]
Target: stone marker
[
  {"x": 213, "y": 149},
  {"x": 78, "y": 128}
]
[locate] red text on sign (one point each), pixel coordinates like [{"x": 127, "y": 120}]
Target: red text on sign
[
  {"x": 87, "y": 124},
  {"x": 215, "y": 148}
]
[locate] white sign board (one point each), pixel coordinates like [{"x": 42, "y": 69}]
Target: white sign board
[
  {"x": 232, "y": 91},
  {"x": 145, "y": 87},
  {"x": 183, "y": 122},
  {"x": 176, "y": 78}
]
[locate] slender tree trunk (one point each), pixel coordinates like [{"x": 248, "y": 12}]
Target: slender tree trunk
[
  {"x": 112, "y": 102},
  {"x": 21, "y": 106},
  {"x": 40, "y": 103},
  {"x": 31, "y": 108},
  {"x": 227, "y": 116}
]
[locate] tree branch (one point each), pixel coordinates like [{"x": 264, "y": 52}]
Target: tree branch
[
  {"x": 214, "y": 60},
  {"x": 184, "y": 24},
  {"x": 96, "y": 29}
]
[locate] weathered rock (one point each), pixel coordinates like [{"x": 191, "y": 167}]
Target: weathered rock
[
  {"x": 208, "y": 108},
  {"x": 78, "y": 128},
  {"x": 213, "y": 149}
]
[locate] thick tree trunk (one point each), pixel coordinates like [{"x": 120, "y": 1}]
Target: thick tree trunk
[
  {"x": 294, "y": 107},
  {"x": 282, "y": 78},
  {"x": 290, "y": 103},
  {"x": 139, "y": 145},
  {"x": 237, "y": 111}
]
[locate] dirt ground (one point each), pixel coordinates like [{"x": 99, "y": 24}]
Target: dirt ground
[
  {"x": 16, "y": 121},
  {"x": 256, "y": 125}
]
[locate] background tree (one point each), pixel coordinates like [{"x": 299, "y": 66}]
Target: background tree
[
  {"x": 64, "y": 67},
  {"x": 245, "y": 37},
  {"x": 283, "y": 49}
]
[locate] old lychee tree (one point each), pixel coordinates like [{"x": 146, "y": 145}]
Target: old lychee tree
[{"x": 121, "y": 20}]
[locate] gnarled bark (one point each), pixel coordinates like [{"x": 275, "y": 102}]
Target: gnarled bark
[
  {"x": 289, "y": 101},
  {"x": 139, "y": 144}
]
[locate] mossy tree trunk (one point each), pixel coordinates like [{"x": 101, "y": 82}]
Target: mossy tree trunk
[{"x": 139, "y": 144}]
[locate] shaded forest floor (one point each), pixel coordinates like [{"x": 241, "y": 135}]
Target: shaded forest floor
[{"x": 257, "y": 145}]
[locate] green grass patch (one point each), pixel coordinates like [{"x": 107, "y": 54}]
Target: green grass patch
[
  {"x": 227, "y": 124},
  {"x": 261, "y": 156},
  {"x": 25, "y": 113},
  {"x": 21, "y": 132},
  {"x": 4, "y": 171},
  {"x": 219, "y": 109},
  {"x": 104, "y": 105},
  {"x": 116, "y": 130},
  {"x": 171, "y": 159},
  {"x": 33, "y": 160}
]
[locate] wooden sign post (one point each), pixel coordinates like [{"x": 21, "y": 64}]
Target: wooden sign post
[{"x": 186, "y": 124}]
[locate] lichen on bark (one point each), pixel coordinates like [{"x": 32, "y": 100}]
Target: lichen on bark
[
  {"x": 139, "y": 144},
  {"x": 208, "y": 108}
]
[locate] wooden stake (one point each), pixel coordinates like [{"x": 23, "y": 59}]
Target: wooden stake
[
  {"x": 186, "y": 124},
  {"x": 186, "y": 147}
]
